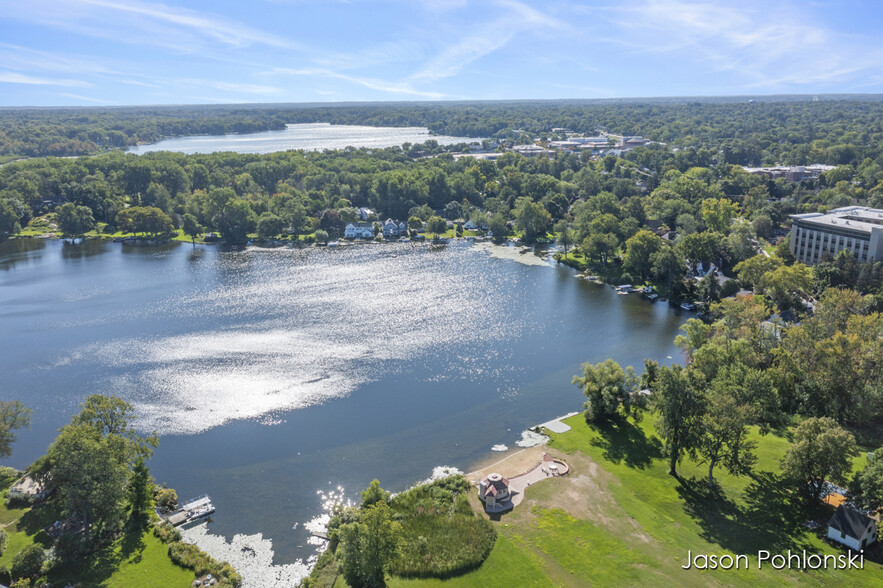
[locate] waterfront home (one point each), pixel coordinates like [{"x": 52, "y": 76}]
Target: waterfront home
[
  {"x": 852, "y": 528},
  {"x": 494, "y": 491},
  {"x": 393, "y": 228},
  {"x": 364, "y": 213},
  {"x": 359, "y": 230}
]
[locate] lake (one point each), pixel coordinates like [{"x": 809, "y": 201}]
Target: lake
[
  {"x": 309, "y": 137},
  {"x": 283, "y": 379}
]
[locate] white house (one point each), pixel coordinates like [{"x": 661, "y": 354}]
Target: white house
[
  {"x": 364, "y": 213},
  {"x": 359, "y": 230},
  {"x": 470, "y": 226},
  {"x": 393, "y": 228},
  {"x": 494, "y": 491},
  {"x": 852, "y": 528}
]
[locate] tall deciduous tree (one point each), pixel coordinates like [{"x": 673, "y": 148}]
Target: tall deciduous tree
[
  {"x": 822, "y": 450},
  {"x": 369, "y": 546},
  {"x": 639, "y": 251},
  {"x": 13, "y": 416},
  {"x": 724, "y": 438},
  {"x": 677, "y": 399},
  {"x": 608, "y": 387},
  {"x": 532, "y": 218}
]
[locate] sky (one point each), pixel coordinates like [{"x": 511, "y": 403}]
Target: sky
[{"x": 124, "y": 52}]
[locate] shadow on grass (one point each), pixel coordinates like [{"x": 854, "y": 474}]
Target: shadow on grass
[
  {"x": 623, "y": 442},
  {"x": 772, "y": 518}
]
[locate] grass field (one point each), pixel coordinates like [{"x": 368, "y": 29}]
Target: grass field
[
  {"x": 619, "y": 519},
  {"x": 139, "y": 560}
]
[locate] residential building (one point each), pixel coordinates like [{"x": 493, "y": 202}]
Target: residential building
[
  {"x": 360, "y": 230},
  {"x": 364, "y": 213},
  {"x": 852, "y": 528},
  {"x": 494, "y": 491},
  {"x": 393, "y": 228},
  {"x": 796, "y": 173},
  {"x": 857, "y": 229}
]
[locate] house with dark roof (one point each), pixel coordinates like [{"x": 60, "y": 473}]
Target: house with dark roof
[
  {"x": 494, "y": 491},
  {"x": 852, "y": 528}
]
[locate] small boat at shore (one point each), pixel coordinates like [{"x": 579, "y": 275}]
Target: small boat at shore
[{"x": 192, "y": 511}]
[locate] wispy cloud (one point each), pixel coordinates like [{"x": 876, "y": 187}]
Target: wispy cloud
[
  {"x": 371, "y": 83},
  {"x": 11, "y": 77},
  {"x": 235, "y": 87},
  {"x": 487, "y": 38},
  {"x": 145, "y": 23},
  {"x": 768, "y": 45},
  {"x": 85, "y": 98}
]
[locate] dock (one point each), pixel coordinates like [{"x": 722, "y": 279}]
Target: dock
[{"x": 192, "y": 510}]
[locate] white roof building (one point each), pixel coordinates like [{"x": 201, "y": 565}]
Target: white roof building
[{"x": 857, "y": 229}]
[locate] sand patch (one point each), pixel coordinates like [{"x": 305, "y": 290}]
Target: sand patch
[{"x": 523, "y": 255}]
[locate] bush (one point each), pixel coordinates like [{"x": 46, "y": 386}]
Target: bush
[
  {"x": 166, "y": 499},
  {"x": 166, "y": 532},
  {"x": 193, "y": 558},
  {"x": 729, "y": 288},
  {"x": 442, "y": 547},
  {"x": 28, "y": 562},
  {"x": 3, "y": 538}
]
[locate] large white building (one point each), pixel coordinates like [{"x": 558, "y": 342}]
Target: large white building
[
  {"x": 359, "y": 230},
  {"x": 857, "y": 229}
]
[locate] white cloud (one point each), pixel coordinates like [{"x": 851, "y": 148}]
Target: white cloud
[
  {"x": 10, "y": 77},
  {"x": 768, "y": 45},
  {"x": 235, "y": 87},
  {"x": 85, "y": 98},
  {"x": 144, "y": 23},
  {"x": 371, "y": 83},
  {"x": 486, "y": 39}
]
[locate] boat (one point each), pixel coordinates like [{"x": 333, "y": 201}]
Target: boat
[
  {"x": 191, "y": 511},
  {"x": 652, "y": 297},
  {"x": 688, "y": 306}
]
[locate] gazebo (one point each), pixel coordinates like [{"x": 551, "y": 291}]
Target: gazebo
[{"x": 494, "y": 491}]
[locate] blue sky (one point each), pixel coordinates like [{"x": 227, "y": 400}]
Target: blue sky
[{"x": 95, "y": 52}]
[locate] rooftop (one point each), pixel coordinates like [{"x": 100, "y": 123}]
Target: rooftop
[{"x": 858, "y": 218}]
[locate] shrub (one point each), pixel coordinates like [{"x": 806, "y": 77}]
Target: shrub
[
  {"x": 442, "y": 547},
  {"x": 166, "y": 532},
  {"x": 3, "y": 538},
  {"x": 28, "y": 562},
  {"x": 193, "y": 558},
  {"x": 729, "y": 288},
  {"x": 166, "y": 499}
]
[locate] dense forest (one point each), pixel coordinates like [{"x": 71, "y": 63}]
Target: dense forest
[{"x": 787, "y": 130}]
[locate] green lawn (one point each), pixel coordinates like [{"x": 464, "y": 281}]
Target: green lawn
[
  {"x": 131, "y": 561},
  {"x": 619, "y": 519},
  {"x": 140, "y": 560}
]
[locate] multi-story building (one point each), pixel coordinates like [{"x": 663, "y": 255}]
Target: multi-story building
[{"x": 857, "y": 229}]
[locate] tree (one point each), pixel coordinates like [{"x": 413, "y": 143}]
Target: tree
[
  {"x": 139, "y": 491},
  {"x": 8, "y": 219},
  {"x": 235, "y": 222},
  {"x": 565, "y": 235},
  {"x": 608, "y": 388},
  {"x": 498, "y": 226},
  {"x": 322, "y": 236},
  {"x": 369, "y": 546},
  {"x": 639, "y": 251},
  {"x": 144, "y": 219},
  {"x": 90, "y": 462},
  {"x": 436, "y": 225},
  {"x": 752, "y": 270},
  {"x": 167, "y": 499},
  {"x": 532, "y": 218},
  {"x": 867, "y": 486},
  {"x": 374, "y": 494},
  {"x": 724, "y": 438},
  {"x": 677, "y": 399},
  {"x": 718, "y": 213},
  {"x": 600, "y": 246},
  {"x": 453, "y": 210},
  {"x": 13, "y": 416},
  {"x": 191, "y": 227},
  {"x": 415, "y": 223},
  {"x": 786, "y": 284},
  {"x": 28, "y": 562},
  {"x": 269, "y": 225},
  {"x": 667, "y": 267},
  {"x": 821, "y": 451},
  {"x": 74, "y": 220}
]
